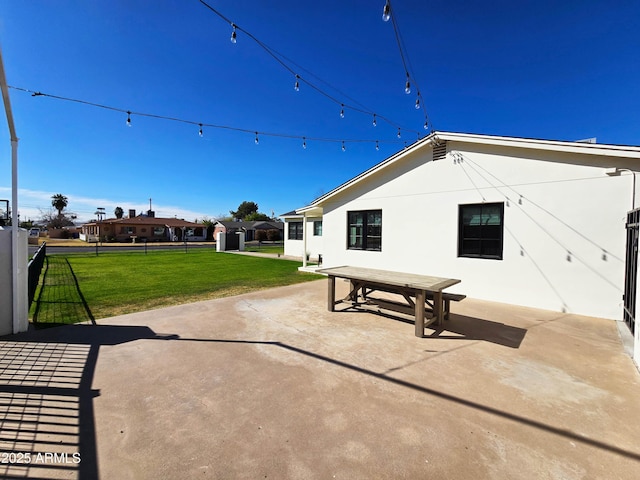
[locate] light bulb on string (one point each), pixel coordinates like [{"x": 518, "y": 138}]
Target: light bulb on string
[
  {"x": 128, "y": 118},
  {"x": 296, "y": 87},
  {"x": 233, "y": 34},
  {"x": 343, "y": 147},
  {"x": 375, "y": 122},
  {"x": 342, "y": 111},
  {"x": 418, "y": 103},
  {"x": 399, "y": 133},
  {"x": 377, "y": 146},
  {"x": 386, "y": 12},
  {"x": 426, "y": 125},
  {"x": 407, "y": 86},
  {"x": 256, "y": 140},
  {"x": 304, "y": 143},
  {"x": 200, "y": 131}
]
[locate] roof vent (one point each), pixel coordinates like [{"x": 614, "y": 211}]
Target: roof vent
[
  {"x": 588, "y": 140},
  {"x": 439, "y": 150}
]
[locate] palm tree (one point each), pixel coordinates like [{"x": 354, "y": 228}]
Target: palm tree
[
  {"x": 59, "y": 202},
  {"x": 119, "y": 212}
]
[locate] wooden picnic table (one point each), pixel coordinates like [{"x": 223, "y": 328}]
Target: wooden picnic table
[{"x": 408, "y": 285}]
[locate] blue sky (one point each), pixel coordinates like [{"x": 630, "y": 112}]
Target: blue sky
[{"x": 555, "y": 70}]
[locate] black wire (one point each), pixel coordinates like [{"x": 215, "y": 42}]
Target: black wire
[
  {"x": 201, "y": 124},
  {"x": 406, "y": 62},
  {"x": 278, "y": 58}
]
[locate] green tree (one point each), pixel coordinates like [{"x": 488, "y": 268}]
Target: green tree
[
  {"x": 256, "y": 216},
  {"x": 118, "y": 212},
  {"x": 59, "y": 202},
  {"x": 244, "y": 210}
]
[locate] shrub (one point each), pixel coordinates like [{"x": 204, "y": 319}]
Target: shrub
[
  {"x": 273, "y": 235},
  {"x": 261, "y": 235}
]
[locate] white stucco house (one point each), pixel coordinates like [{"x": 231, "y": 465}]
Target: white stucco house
[
  {"x": 303, "y": 236},
  {"x": 528, "y": 222}
]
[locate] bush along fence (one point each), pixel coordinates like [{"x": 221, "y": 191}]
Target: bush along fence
[{"x": 35, "y": 269}]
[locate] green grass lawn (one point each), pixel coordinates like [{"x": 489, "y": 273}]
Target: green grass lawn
[
  {"x": 265, "y": 248},
  {"x": 117, "y": 283}
]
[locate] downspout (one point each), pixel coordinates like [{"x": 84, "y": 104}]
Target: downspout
[
  {"x": 304, "y": 240},
  {"x": 15, "y": 265}
]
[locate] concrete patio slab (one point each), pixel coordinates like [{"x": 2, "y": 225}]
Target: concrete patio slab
[{"x": 272, "y": 385}]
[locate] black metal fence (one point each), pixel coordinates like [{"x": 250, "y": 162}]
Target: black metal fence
[
  {"x": 35, "y": 269},
  {"x": 631, "y": 268}
]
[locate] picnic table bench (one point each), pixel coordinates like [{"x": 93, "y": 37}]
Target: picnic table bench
[{"x": 418, "y": 292}]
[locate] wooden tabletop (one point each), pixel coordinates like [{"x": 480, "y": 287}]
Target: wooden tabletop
[{"x": 410, "y": 280}]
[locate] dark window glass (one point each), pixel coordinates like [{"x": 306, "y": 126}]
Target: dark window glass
[
  {"x": 295, "y": 230},
  {"x": 364, "y": 230},
  {"x": 317, "y": 228},
  {"x": 480, "y": 231}
]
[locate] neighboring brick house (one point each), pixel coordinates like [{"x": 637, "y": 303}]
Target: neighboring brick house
[{"x": 143, "y": 228}]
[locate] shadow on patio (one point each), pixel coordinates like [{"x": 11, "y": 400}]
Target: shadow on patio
[
  {"x": 59, "y": 300},
  {"x": 48, "y": 427}
]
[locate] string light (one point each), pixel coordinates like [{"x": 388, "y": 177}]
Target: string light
[
  {"x": 386, "y": 12},
  {"x": 200, "y": 125},
  {"x": 386, "y": 16},
  {"x": 233, "y": 34},
  {"x": 343, "y": 147},
  {"x": 200, "y": 131},
  {"x": 426, "y": 125},
  {"x": 304, "y": 143},
  {"x": 377, "y": 146},
  {"x": 286, "y": 62},
  {"x": 375, "y": 122},
  {"x": 399, "y": 133},
  {"x": 342, "y": 111},
  {"x": 296, "y": 87}
]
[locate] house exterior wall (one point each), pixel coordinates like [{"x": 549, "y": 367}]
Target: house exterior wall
[
  {"x": 315, "y": 243},
  {"x": 564, "y": 224}
]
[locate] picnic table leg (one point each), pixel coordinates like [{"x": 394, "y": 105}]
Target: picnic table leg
[
  {"x": 438, "y": 310},
  {"x": 420, "y": 299},
  {"x": 331, "y": 298}
]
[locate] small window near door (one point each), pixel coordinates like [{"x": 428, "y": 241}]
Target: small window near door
[
  {"x": 317, "y": 228},
  {"x": 481, "y": 230}
]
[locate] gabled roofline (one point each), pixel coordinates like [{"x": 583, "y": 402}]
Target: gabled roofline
[
  {"x": 540, "y": 144},
  {"x": 388, "y": 161},
  {"x": 618, "y": 151}
]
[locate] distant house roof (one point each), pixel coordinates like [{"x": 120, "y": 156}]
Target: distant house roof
[
  {"x": 144, "y": 220},
  {"x": 257, "y": 225},
  {"x": 265, "y": 225}
]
